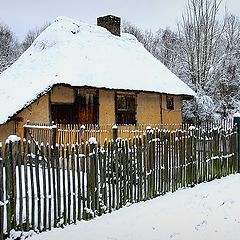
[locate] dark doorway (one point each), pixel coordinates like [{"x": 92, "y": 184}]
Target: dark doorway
[
  {"x": 64, "y": 114},
  {"x": 83, "y": 111},
  {"x": 87, "y": 108}
]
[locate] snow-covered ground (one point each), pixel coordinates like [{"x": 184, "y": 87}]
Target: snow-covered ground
[{"x": 207, "y": 211}]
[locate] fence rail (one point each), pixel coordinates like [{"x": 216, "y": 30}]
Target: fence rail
[
  {"x": 73, "y": 133},
  {"x": 44, "y": 186}
]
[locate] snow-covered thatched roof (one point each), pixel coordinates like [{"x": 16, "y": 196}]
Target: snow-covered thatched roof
[{"x": 80, "y": 54}]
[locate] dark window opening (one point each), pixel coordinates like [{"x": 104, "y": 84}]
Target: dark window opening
[
  {"x": 83, "y": 111},
  {"x": 125, "y": 109},
  {"x": 64, "y": 114},
  {"x": 170, "y": 102}
]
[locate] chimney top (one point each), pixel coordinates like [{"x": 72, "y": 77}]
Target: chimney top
[{"x": 111, "y": 23}]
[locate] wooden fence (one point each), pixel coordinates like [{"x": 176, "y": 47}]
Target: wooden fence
[
  {"x": 72, "y": 134},
  {"x": 43, "y": 186}
]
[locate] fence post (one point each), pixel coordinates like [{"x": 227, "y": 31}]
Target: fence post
[
  {"x": 25, "y": 130},
  {"x": 1, "y": 195},
  {"x": 82, "y": 133},
  {"x": 236, "y": 118},
  {"x": 54, "y": 134},
  {"x": 114, "y": 132},
  {"x": 11, "y": 183}
]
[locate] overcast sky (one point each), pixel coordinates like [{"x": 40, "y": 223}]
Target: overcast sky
[{"x": 22, "y": 15}]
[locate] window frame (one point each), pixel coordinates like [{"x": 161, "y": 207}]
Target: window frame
[
  {"x": 126, "y": 111},
  {"x": 170, "y": 102},
  {"x": 57, "y": 111}
]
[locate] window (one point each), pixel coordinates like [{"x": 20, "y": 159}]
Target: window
[
  {"x": 125, "y": 109},
  {"x": 170, "y": 102},
  {"x": 63, "y": 113}
]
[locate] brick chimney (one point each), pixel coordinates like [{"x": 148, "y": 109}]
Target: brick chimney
[{"x": 111, "y": 23}]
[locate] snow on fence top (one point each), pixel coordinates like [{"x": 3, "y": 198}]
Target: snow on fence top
[
  {"x": 80, "y": 54},
  {"x": 237, "y": 114},
  {"x": 13, "y": 138}
]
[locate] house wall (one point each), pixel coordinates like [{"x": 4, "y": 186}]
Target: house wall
[
  {"x": 62, "y": 94},
  {"x": 172, "y": 116},
  {"x": 37, "y": 112},
  {"x": 6, "y": 130},
  {"x": 148, "y": 108},
  {"x": 106, "y": 107}
]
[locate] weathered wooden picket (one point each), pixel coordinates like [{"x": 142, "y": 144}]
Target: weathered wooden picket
[{"x": 43, "y": 186}]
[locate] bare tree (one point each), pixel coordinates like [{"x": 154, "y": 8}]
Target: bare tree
[
  {"x": 32, "y": 35},
  {"x": 167, "y": 49},
  {"x": 205, "y": 53},
  {"x": 200, "y": 33},
  {"x": 127, "y": 27},
  {"x": 9, "y": 47},
  {"x": 225, "y": 79},
  {"x": 147, "y": 38}
]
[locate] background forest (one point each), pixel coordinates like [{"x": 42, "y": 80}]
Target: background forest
[{"x": 204, "y": 52}]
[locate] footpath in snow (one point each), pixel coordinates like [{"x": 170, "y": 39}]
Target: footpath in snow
[{"x": 207, "y": 211}]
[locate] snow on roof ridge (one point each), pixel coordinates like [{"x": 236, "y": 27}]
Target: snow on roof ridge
[
  {"x": 78, "y": 23},
  {"x": 64, "y": 18},
  {"x": 80, "y": 54}
]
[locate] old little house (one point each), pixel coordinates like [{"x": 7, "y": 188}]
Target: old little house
[{"x": 77, "y": 73}]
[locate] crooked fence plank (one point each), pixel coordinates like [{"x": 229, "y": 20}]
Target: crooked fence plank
[
  {"x": 120, "y": 173},
  {"x": 54, "y": 197},
  {"x": 131, "y": 171},
  {"x": 73, "y": 184},
  {"x": 58, "y": 187},
  {"x": 109, "y": 177},
  {"x": 124, "y": 173},
  {"x": 104, "y": 177},
  {"x": 113, "y": 177},
  {"x": 68, "y": 186},
  {"x": 116, "y": 169},
  {"x": 7, "y": 160},
  {"x": 39, "y": 205},
  {"x": 97, "y": 178},
  {"x": 83, "y": 170},
  {"x": 49, "y": 187},
  {"x": 2, "y": 201},
  {"x": 92, "y": 180},
  {"x": 27, "y": 220},
  {"x": 30, "y": 160},
  {"x": 43, "y": 160},
  {"x": 79, "y": 209},
  {"x": 64, "y": 184},
  {"x": 88, "y": 176},
  {"x": 140, "y": 169},
  {"x": 161, "y": 162},
  {"x": 20, "y": 184}
]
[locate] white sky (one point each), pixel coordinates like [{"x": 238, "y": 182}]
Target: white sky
[{"x": 22, "y": 15}]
